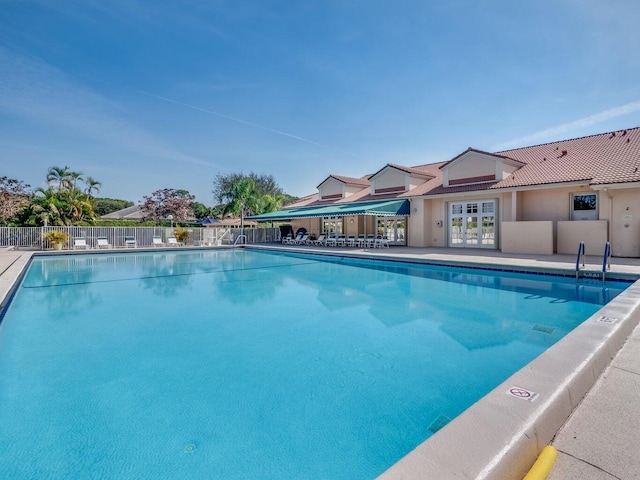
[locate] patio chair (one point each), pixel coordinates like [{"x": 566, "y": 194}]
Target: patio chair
[
  {"x": 371, "y": 240},
  {"x": 361, "y": 241},
  {"x": 157, "y": 241},
  {"x": 351, "y": 241},
  {"x": 330, "y": 241},
  {"x": 381, "y": 242},
  {"x": 130, "y": 242},
  {"x": 302, "y": 240},
  {"x": 102, "y": 242},
  {"x": 341, "y": 241},
  {"x": 79, "y": 242}
]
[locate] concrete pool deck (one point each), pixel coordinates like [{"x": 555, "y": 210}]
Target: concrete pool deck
[{"x": 500, "y": 436}]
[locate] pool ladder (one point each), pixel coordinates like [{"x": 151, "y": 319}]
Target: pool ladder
[{"x": 606, "y": 263}]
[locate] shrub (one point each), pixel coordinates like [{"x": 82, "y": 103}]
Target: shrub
[{"x": 56, "y": 236}]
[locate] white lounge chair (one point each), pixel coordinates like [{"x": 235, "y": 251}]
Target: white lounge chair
[
  {"x": 330, "y": 241},
  {"x": 341, "y": 241},
  {"x": 351, "y": 241},
  {"x": 130, "y": 242},
  {"x": 102, "y": 242},
  {"x": 173, "y": 242},
  {"x": 361, "y": 241},
  {"x": 302, "y": 240},
  {"x": 318, "y": 241},
  {"x": 286, "y": 240},
  {"x": 79, "y": 242},
  {"x": 157, "y": 241}
]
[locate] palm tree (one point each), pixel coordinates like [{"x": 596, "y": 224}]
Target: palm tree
[
  {"x": 48, "y": 206},
  {"x": 242, "y": 198},
  {"x": 93, "y": 185},
  {"x": 58, "y": 177},
  {"x": 73, "y": 178}
]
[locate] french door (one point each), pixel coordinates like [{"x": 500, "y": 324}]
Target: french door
[
  {"x": 472, "y": 224},
  {"x": 395, "y": 228}
]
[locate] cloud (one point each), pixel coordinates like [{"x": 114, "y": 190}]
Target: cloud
[
  {"x": 554, "y": 132},
  {"x": 33, "y": 89}
]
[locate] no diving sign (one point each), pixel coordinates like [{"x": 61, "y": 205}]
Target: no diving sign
[{"x": 522, "y": 394}]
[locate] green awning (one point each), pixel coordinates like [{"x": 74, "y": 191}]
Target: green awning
[{"x": 382, "y": 208}]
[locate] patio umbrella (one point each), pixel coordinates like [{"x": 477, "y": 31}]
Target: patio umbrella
[{"x": 208, "y": 221}]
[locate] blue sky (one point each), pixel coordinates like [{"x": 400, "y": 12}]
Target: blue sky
[{"x": 144, "y": 95}]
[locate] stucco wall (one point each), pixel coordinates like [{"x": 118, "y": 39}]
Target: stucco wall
[
  {"x": 416, "y": 224},
  {"x": 592, "y": 232},
  {"x": 473, "y": 165},
  {"x": 625, "y": 221},
  {"x": 535, "y": 238},
  {"x": 545, "y": 204},
  {"x": 390, "y": 178},
  {"x": 331, "y": 187}
]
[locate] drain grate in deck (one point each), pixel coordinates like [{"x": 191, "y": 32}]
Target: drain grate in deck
[
  {"x": 543, "y": 328},
  {"x": 438, "y": 423}
]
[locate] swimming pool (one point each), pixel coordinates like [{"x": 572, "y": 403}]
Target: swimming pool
[{"x": 244, "y": 364}]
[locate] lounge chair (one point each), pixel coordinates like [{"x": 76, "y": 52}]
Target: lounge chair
[
  {"x": 351, "y": 241},
  {"x": 287, "y": 239},
  {"x": 102, "y": 242},
  {"x": 361, "y": 241},
  {"x": 294, "y": 241},
  {"x": 130, "y": 242},
  {"x": 330, "y": 241},
  {"x": 79, "y": 242},
  {"x": 318, "y": 241},
  {"x": 173, "y": 242},
  {"x": 302, "y": 240},
  {"x": 341, "y": 241},
  {"x": 157, "y": 241}
]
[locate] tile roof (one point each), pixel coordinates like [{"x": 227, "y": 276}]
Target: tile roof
[
  {"x": 413, "y": 170},
  {"x": 606, "y": 158}
]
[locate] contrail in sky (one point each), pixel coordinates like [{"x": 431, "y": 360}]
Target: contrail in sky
[
  {"x": 553, "y": 132},
  {"x": 244, "y": 122}
]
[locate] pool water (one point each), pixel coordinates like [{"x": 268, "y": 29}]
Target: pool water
[{"x": 246, "y": 364}]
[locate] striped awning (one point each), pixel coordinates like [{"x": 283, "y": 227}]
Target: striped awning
[{"x": 383, "y": 208}]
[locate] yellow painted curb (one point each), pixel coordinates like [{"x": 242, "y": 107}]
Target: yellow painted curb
[{"x": 543, "y": 465}]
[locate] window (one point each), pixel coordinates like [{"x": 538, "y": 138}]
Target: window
[
  {"x": 584, "y": 206},
  {"x": 332, "y": 225}
]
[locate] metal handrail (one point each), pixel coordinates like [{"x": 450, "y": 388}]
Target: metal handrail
[
  {"x": 606, "y": 259},
  {"x": 239, "y": 237},
  {"x": 579, "y": 258}
]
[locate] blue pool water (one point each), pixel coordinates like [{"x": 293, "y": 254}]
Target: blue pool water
[{"x": 245, "y": 364}]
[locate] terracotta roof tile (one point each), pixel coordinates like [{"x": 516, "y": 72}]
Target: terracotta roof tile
[{"x": 606, "y": 158}]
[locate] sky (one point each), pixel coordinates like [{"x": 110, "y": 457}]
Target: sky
[{"x": 146, "y": 95}]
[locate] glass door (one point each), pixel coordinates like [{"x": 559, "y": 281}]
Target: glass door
[
  {"x": 472, "y": 224},
  {"x": 395, "y": 228}
]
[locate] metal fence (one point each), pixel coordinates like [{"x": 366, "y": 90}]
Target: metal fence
[{"x": 33, "y": 237}]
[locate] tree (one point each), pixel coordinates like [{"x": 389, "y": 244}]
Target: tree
[
  {"x": 93, "y": 185},
  {"x": 241, "y": 198},
  {"x": 14, "y": 196},
  {"x": 264, "y": 184},
  {"x": 168, "y": 201},
  {"x": 102, "y": 206},
  {"x": 267, "y": 195}
]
